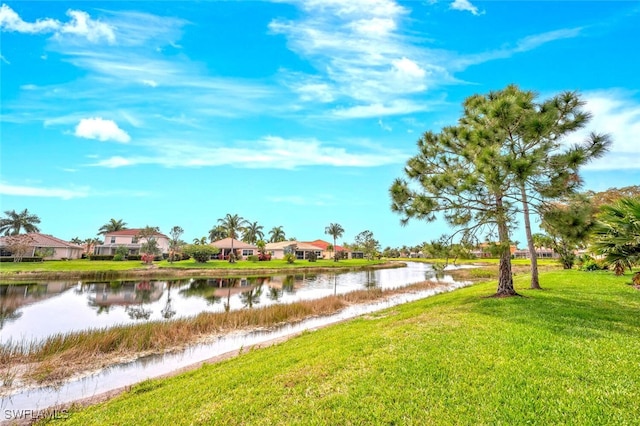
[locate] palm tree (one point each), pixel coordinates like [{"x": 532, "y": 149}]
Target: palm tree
[
  {"x": 232, "y": 224},
  {"x": 218, "y": 232},
  {"x": 277, "y": 234},
  {"x": 77, "y": 241},
  {"x": 336, "y": 231},
  {"x": 16, "y": 222},
  {"x": 617, "y": 234},
  {"x": 112, "y": 226},
  {"x": 200, "y": 241},
  {"x": 252, "y": 233}
]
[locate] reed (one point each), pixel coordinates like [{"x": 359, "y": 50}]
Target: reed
[{"x": 62, "y": 355}]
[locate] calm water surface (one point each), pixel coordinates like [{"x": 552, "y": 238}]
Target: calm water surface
[{"x": 43, "y": 309}]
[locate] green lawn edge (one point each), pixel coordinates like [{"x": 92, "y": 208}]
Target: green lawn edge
[
  {"x": 565, "y": 355},
  {"x": 87, "y": 269}
]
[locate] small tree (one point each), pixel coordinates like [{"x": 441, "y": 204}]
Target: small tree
[
  {"x": 568, "y": 224},
  {"x": 19, "y": 246},
  {"x": 370, "y": 246},
  {"x": 149, "y": 248},
  {"x": 175, "y": 243}
]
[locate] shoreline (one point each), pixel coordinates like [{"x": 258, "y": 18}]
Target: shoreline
[{"x": 169, "y": 273}]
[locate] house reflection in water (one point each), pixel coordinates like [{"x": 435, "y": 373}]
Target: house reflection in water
[
  {"x": 15, "y": 296},
  {"x": 125, "y": 293}
]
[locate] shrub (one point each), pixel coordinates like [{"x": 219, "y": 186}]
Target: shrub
[
  {"x": 290, "y": 257},
  {"x": 264, "y": 257},
  {"x": 118, "y": 257},
  {"x": 311, "y": 257},
  {"x": 253, "y": 258},
  {"x": 23, "y": 259},
  {"x": 101, "y": 257},
  {"x": 592, "y": 265},
  {"x": 201, "y": 253}
]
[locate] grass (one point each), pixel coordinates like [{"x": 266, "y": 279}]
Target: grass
[
  {"x": 564, "y": 355},
  {"x": 88, "y": 269},
  {"x": 60, "y": 356}
]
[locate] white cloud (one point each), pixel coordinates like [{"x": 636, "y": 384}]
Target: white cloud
[
  {"x": 104, "y": 130},
  {"x": 384, "y": 126},
  {"x": 359, "y": 52},
  {"x": 398, "y": 107},
  {"x": 270, "y": 152},
  {"x": 31, "y": 191},
  {"x": 464, "y": 5},
  {"x": 150, "y": 83},
  {"x": 79, "y": 24},
  {"x": 617, "y": 114}
]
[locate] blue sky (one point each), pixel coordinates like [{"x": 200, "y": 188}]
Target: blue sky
[{"x": 291, "y": 113}]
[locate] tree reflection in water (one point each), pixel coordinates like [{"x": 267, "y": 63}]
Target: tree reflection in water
[
  {"x": 168, "y": 311},
  {"x": 251, "y": 297}
]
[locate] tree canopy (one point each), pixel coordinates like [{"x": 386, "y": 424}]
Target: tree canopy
[{"x": 15, "y": 222}]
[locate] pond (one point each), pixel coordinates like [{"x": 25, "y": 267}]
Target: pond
[
  {"x": 38, "y": 310},
  {"x": 114, "y": 377}
]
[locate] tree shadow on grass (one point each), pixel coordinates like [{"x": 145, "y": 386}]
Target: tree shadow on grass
[{"x": 568, "y": 314}]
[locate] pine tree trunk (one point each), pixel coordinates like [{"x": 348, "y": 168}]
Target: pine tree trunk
[
  {"x": 505, "y": 279},
  {"x": 535, "y": 282}
]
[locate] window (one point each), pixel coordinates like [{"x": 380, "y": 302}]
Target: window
[
  {"x": 113, "y": 240},
  {"x": 247, "y": 252},
  {"x": 299, "y": 254}
]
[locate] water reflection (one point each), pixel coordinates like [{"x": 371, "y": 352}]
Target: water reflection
[{"x": 26, "y": 310}]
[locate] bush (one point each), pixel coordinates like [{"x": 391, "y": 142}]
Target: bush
[
  {"x": 253, "y": 258},
  {"x": 118, "y": 257},
  {"x": 101, "y": 257},
  {"x": 201, "y": 253},
  {"x": 264, "y": 257},
  {"x": 592, "y": 265},
  {"x": 311, "y": 256},
  {"x": 290, "y": 257},
  {"x": 24, "y": 259}
]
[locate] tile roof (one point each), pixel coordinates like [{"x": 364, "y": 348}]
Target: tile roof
[
  {"x": 324, "y": 244},
  {"x": 225, "y": 243},
  {"x": 45, "y": 240},
  {"x": 300, "y": 245}
]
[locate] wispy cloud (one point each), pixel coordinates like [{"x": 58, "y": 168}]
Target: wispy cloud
[
  {"x": 35, "y": 191},
  {"x": 616, "y": 113},
  {"x": 101, "y": 129},
  {"x": 268, "y": 153},
  {"x": 359, "y": 53},
  {"x": 80, "y": 24},
  {"x": 465, "y": 5}
]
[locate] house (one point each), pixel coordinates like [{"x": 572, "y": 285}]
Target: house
[
  {"x": 37, "y": 243},
  {"x": 486, "y": 250},
  {"x": 239, "y": 247},
  {"x": 329, "y": 254},
  {"x": 128, "y": 238},
  {"x": 541, "y": 252},
  {"x": 300, "y": 249}
]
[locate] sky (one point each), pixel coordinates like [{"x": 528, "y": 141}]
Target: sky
[{"x": 289, "y": 113}]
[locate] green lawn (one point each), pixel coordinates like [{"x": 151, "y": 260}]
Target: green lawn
[
  {"x": 128, "y": 265},
  {"x": 566, "y": 355}
]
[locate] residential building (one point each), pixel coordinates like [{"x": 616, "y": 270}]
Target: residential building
[
  {"x": 541, "y": 252},
  {"x": 329, "y": 254},
  {"x": 129, "y": 238},
  {"x": 484, "y": 250},
  {"x": 43, "y": 243},
  {"x": 239, "y": 247},
  {"x": 300, "y": 249}
]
